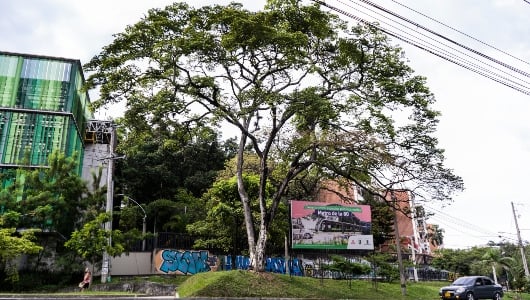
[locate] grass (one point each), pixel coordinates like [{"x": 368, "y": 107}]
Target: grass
[
  {"x": 251, "y": 284},
  {"x": 241, "y": 284}
]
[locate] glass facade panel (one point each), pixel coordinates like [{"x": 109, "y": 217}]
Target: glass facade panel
[
  {"x": 46, "y": 69},
  {"x": 42, "y": 108},
  {"x": 9, "y": 69}
]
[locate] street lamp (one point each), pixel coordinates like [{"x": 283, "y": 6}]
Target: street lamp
[{"x": 144, "y": 225}]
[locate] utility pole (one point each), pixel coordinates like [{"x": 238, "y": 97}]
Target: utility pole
[
  {"x": 523, "y": 257},
  {"x": 415, "y": 240},
  {"x": 105, "y": 268}
]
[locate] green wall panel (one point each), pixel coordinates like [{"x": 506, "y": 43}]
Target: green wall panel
[{"x": 43, "y": 108}]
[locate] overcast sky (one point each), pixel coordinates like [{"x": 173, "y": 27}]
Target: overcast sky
[{"x": 484, "y": 127}]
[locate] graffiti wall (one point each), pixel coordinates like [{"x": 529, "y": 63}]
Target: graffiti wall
[
  {"x": 190, "y": 262},
  {"x": 184, "y": 262},
  {"x": 297, "y": 266}
]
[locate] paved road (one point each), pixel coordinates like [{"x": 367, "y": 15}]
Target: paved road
[
  {"x": 89, "y": 297},
  {"x": 77, "y": 297},
  {"x": 95, "y": 297},
  {"x": 81, "y": 296}
]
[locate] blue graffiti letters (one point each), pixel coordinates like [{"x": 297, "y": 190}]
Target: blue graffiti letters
[{"x": 184, "y": 262}]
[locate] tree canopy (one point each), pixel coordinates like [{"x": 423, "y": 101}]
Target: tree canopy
[{"x": 302, "y": 90}]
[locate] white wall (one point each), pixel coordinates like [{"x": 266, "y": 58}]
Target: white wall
[{"x": 134, "y": 263}]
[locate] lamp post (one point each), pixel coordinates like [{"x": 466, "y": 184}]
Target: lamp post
[{"x": 144, "y": 225}]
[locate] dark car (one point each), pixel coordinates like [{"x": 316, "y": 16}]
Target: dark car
[{"x": 471, "y": 288}]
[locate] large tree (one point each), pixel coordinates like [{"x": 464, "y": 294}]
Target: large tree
[
  {"x": 167, "y": 166},
  {"x": 301, "y": 89},
  {"x": 162, "y": 159}
]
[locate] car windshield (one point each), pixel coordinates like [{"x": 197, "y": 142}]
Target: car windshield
[{"x": 464, "y": 281}]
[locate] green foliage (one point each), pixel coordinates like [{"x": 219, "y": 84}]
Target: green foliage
[
  {"x": 224, "y": 224},
  {"x": 174, "y": 214},
  {"x": 45, "y": 198},
  {"x": 167, "y": 168},
  {"x": 35, "y": 199},
  {"x": 183, "y": 209},
  {"x": 456, "y": 260},
  {"x": 382, "y": 220},
  {"x": 494, "y": 258},
  {"x": 12, "y": 245},
  {"x": 161, "y": 161},
  {"x": 385, "y": 267},
  {"x": 505, "y": 258},
  {"x": 347, "y": 268},
  {"x": 91, "y": 240}
]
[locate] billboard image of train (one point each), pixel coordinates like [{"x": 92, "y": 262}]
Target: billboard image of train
[{"x": 321, "y": 225}]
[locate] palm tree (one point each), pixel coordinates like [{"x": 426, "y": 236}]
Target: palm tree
[{"x": 494, "y": 257}]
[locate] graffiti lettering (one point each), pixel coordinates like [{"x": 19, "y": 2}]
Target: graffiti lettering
[
  {"x": 184, "y": 262},
  {"x": 189, "y": 262}
]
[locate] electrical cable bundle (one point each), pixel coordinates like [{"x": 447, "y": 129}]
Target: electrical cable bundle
[{"x": 440, "y": 45}]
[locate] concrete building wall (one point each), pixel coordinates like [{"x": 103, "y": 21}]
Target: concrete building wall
[
  {"x": 332, "y": 192},
  {"x": 93, "y": 160},
  {"x": 132, "y": 263}
]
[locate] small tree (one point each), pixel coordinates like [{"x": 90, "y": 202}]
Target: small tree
[
  {"x": 92, "y": 240},
  {"x": 12, "y": 245},
  {"x": 384, "y": 267},
  {"x": 347, "y": 268},
  {"x": 494, "y": 259}
]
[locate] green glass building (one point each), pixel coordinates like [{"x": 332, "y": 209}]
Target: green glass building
[{"x": 42, "y": 109}]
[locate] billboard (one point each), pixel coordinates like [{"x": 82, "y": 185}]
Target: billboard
[{"x": 323, "y": 225}]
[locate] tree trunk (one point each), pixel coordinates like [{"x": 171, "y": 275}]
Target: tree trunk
[
  {"x": 245, "y": 200},
  {"x": 260, "y": 250},
  {"x": 402, "y": 279}
]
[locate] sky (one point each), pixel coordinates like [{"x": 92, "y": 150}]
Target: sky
[{"x": 483, "y": 128}]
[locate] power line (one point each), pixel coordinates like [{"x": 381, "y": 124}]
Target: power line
[
  {"x": 428, "y": 46},
  {"x": 463, "y": 33},
  {"x": 457, "y": 221},
  {"x": 445, "y": 38},
  {"x": 511, "y": 81},
  {"x": 464, "y": 227}
]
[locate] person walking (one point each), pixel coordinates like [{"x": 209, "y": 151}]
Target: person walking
[{"x": 87, "y": 279}]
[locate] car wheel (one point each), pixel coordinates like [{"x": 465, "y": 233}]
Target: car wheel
[
  {"x": 497, "y": 296},
  {"x": 470, "y": 296}
]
